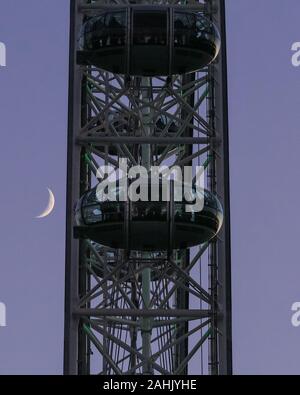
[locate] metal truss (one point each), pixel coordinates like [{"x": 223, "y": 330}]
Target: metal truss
[{"x": 136, "y": 312}]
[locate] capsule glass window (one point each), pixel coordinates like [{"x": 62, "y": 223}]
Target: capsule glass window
[
  {"x": 150, "y": 28},
  {"x": 115, "y": 28}
]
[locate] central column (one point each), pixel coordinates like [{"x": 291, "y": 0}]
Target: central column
[{"x": 146, "y": 325}]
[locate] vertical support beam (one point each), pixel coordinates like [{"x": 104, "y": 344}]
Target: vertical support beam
[
  {"x": 222, "y": 187},
  {"x": 182, "y": 296},
  {"x": 73, "y": 193},
  {"x": 146, "y": 274}
]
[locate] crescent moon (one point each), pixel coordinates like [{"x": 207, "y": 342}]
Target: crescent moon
[{"x": 48, "y": 210}]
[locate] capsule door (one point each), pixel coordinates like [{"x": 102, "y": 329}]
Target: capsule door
[{"x": 150, "y": 41}]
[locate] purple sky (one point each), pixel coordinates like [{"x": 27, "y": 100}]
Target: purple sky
[{"x": 265, "y": 141}]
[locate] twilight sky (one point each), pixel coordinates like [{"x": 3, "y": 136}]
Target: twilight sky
[{"x": 264, "y": 91}]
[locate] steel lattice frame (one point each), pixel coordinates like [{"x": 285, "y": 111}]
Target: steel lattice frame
[{"x": 181, "y": 324}]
